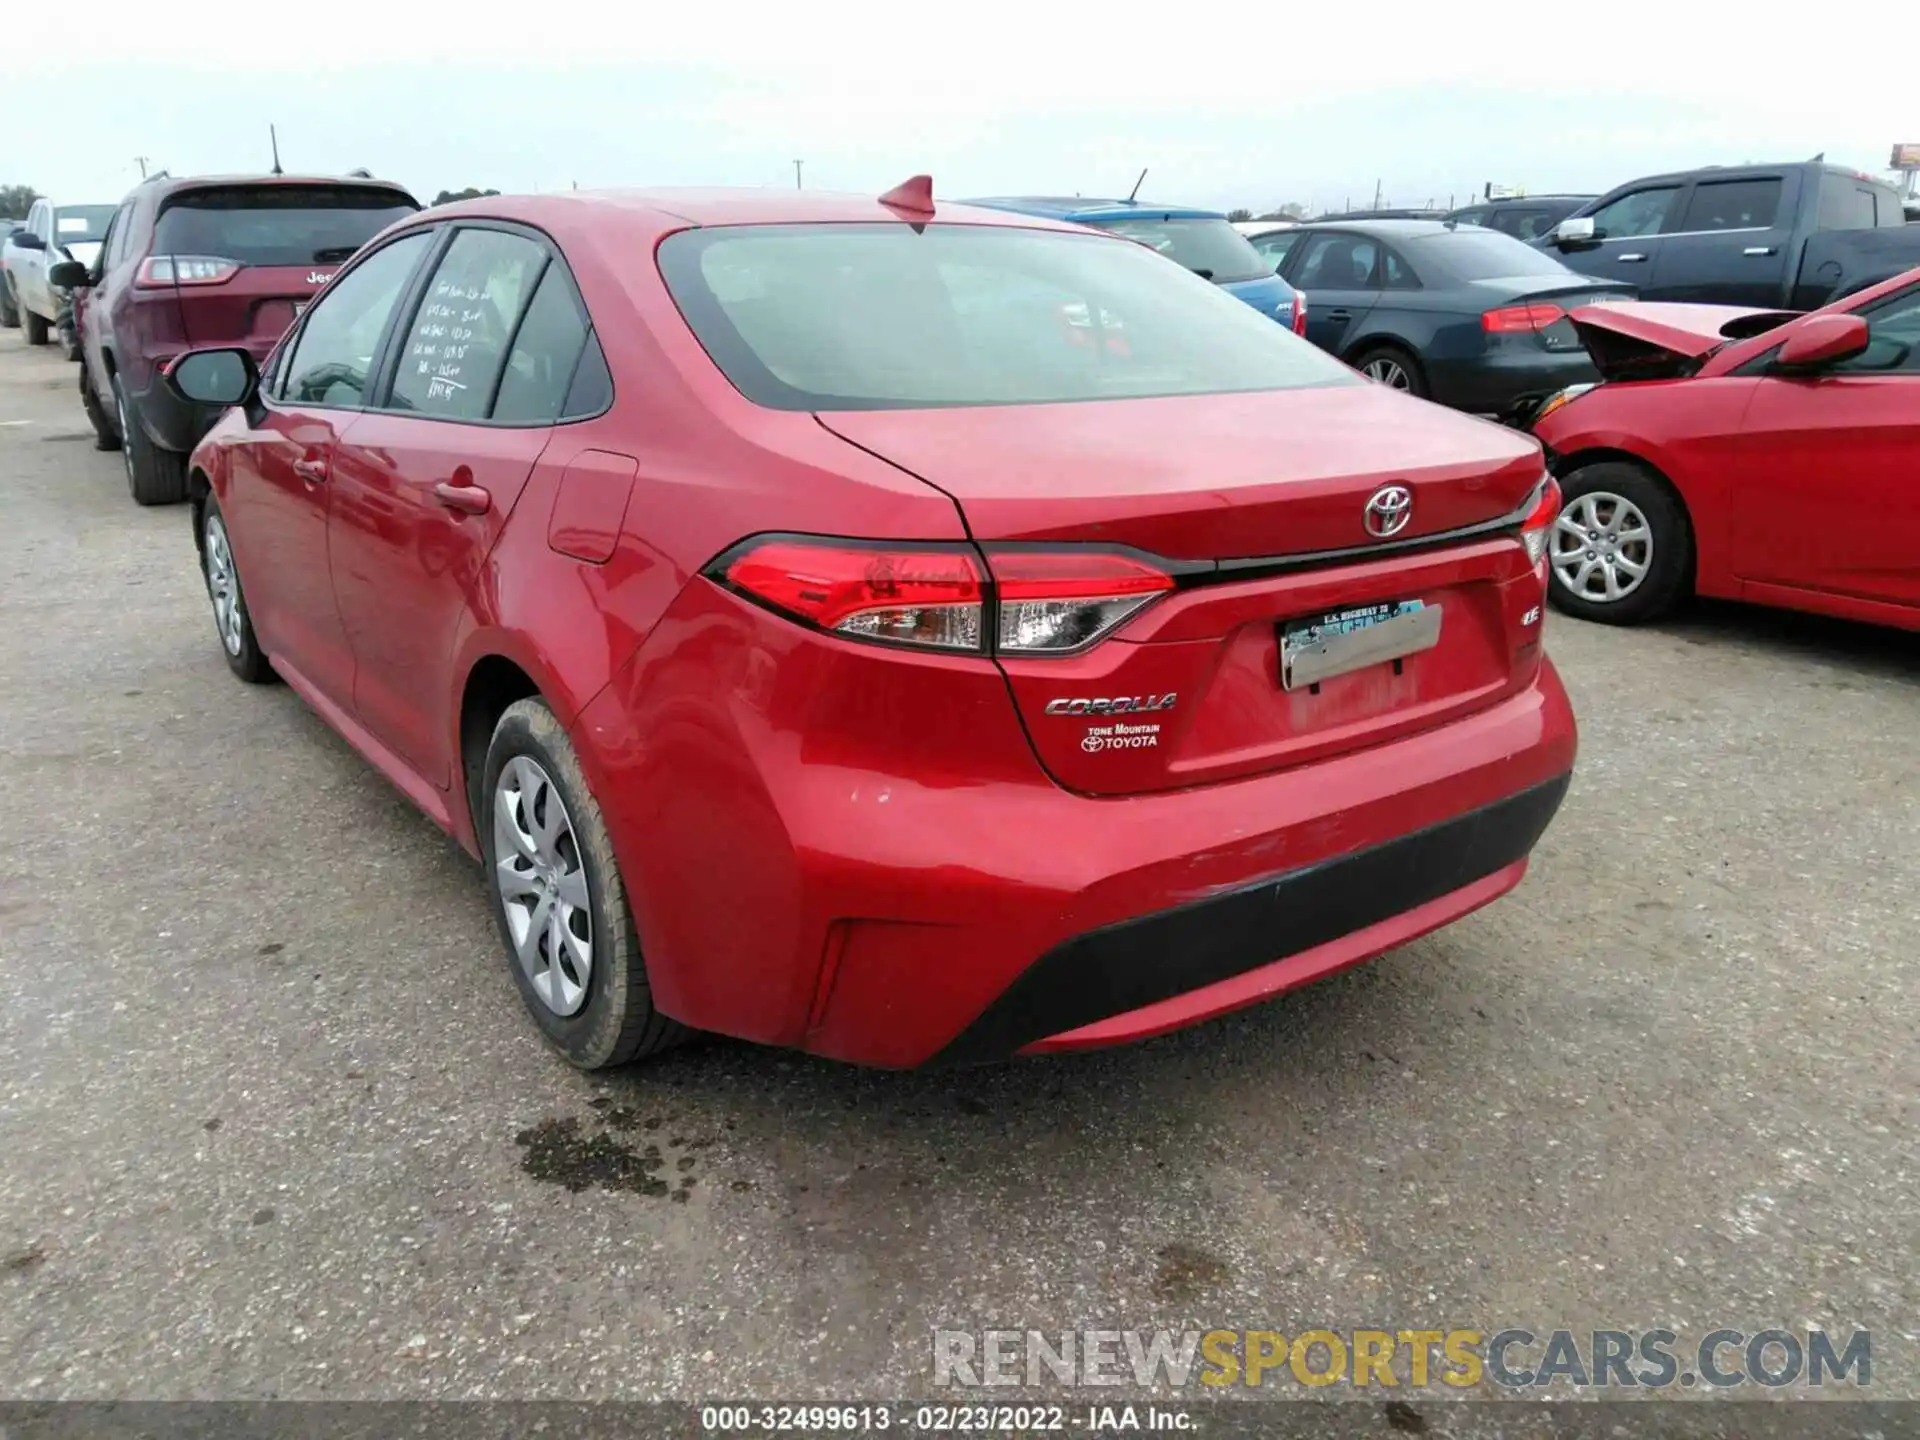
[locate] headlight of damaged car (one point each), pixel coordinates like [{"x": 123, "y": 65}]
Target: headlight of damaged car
[{"x": 1561, "y": 397}]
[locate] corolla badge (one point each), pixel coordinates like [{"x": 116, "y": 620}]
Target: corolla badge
[
  {"x": 319, "y": 277},
  {"x": 1117, "y": 705},
  {"x": 1388, "y": 510}
]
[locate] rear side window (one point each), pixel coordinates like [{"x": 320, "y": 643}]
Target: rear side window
[
  {"x": 1846, "y": 205},
  {"x": 457, "y": 346},
  {"x": 545, "y": 352},
  {"x": 1732, "y": 205},
  {"x": 276, "y": 224}
]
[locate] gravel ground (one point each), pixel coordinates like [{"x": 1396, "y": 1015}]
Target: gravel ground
[{"x": 272, "y": 1123}]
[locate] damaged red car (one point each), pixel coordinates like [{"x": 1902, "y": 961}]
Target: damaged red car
[
  {"x": 822, "y": 643},
  {"x": 1751, "y": 455}
]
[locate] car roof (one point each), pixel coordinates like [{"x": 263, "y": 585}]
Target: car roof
[
  {"x": 674, "y": 209},
  {"x": 1526, "y": 200},
  {"x": 1392, "y": 229},
  {"x": 177, "y": 184},
  {"x": 1088, "y": 210}
]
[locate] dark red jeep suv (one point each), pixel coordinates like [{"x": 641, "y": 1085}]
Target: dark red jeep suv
[{"x": 220, "y": 260}]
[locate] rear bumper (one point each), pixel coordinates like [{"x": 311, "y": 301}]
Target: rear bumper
[
  {"x": 834, "y": 848},
  {"x": 1503, "y": 383}
]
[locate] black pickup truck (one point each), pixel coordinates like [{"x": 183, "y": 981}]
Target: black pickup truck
[{"x": 1771, "y": 236}]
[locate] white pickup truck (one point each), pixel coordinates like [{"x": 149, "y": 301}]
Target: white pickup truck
[{"x": 52, "y": 233}]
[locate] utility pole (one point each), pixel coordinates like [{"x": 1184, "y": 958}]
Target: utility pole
[
  {"x": 796, "y": 173},
  {"x": 273, "y": 138},
  {"x": 1376, "y": 193},
  {"x": 141, "y": 161}
]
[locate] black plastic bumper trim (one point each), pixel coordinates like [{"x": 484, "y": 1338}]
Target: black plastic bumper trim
[{"x": 1137, "y": 962}]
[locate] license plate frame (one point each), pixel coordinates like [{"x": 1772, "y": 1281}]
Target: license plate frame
[{"x": 1338, "y": 642}]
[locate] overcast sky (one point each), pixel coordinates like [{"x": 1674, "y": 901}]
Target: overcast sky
[{"x": 1227, "y": 103}]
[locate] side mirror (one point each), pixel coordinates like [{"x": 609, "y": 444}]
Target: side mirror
[
  {"x": 1570, "y": 233},
  {"x": 225, "y": 376},
  {"x": 1822, "y": 340},
  {"x": 70, "y": 275},
  {"x": 27, "y": 240}
]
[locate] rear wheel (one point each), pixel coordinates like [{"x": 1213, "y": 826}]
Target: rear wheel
[
  {"x": 154, "y": 476},
  {"x": 9, "y": 309},
  {"x": 231, "y": 620},
  {"x": 1621, "y": 550},
  {"x": 1392, "y": 367},
  {"x": 559, "y": 899},
  {"x": 105, "y": 437},
  {"x": 36, "y": 327}
]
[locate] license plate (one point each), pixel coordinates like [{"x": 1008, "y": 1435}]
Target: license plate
[{"x": 1346, "y": 640}]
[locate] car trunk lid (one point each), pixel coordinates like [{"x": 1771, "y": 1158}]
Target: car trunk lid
[{"x": 1261, "y": 503}]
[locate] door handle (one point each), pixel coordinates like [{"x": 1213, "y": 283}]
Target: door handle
[
  {"x": 310, "y": 470},
  {"x": 1339, "y": 314},
  {"x": 1758, "y": 250},
  {"x": 467, "y": 499},
  {"x": 1629, "y": 259}
]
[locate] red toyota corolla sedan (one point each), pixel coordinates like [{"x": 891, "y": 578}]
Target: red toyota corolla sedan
[
  {"x": 824, "y": 639},
  {"x": 1747, "y": 454}
]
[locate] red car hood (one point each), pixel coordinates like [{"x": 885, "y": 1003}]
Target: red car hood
[{"x": 1645, "y": 340}]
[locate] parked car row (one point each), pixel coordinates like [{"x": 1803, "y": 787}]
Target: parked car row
[{"x": 49, "y": 235}]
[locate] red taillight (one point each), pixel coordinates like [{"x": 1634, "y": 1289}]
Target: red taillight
[
  {"x": 1047, "y": 602},
  {"x": 1520, "y": 319},
  {"x": 1299, "y": 312},
  {"x": 159, "y": 271},
  {"x": 1533, "y": 529},
  {"x": 1053, "y": 602}
]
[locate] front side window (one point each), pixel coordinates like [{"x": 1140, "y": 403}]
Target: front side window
[
  {"x": 453, "y": 353},
  {"x": 1644, "y": 212},
  {"x": 81, "y": 224},
  {"x": 1339, "y": 262},
  {"x": 866, "y": 317},
  {"x": 1732, "y": 205},
  {"x": 1212, "y": 249},
  {"x": 1275, "y": 248},
  {"x": 332, "y": 360}
]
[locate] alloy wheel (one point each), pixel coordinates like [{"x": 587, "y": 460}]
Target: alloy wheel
[
  {"x": 1390, "y": 373},
  {"x": 223, "y": 585},
  {"x": 543, "y": 885},
  {"x": 1602, "y": 547}
]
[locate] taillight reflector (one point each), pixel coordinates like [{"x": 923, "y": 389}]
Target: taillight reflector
[
  {"x": 1299, "y": 312},
  {"x": 1044, "y": 602},
  {"x": 1520, "y": 319},
  {"x": 1533, "y": 529}
]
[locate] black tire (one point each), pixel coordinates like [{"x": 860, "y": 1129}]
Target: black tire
[
  {"x": 1401, "y": 362},
  {"x": 234, "y": 627},
  {"x": 1666, "y": 554},
  {"x": 154, "y": 476},
  {"x": 36, "y": 327},
  {"x": 9, "y": 310},
  {"x": 105, "y": 437},
  {"x": 615, "y": 1021}
]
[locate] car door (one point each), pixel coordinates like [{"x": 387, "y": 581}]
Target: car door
[
  {"x": 29, "y": 267},
  {"x": 424, "y": 483},
  {"x": 1827, "y": 497},
  {"x": 1340, "y": 273},
  {"x": 95, "y": 318},
  {"x": 279, "y": 492},
  {"x": 1730, "y": 245},
  {"x": 1627, "y": 236}
]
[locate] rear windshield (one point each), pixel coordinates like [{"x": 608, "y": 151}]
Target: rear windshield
[
  {"x": 1212, "y": 249},
  {"x": 874, "y": 317},
  {"x": 1480, "y": 255},
  {"x": 277, "y": 224},
  {"x": 77, "y": 224}
]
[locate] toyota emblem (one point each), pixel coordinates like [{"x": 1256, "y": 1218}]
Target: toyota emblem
[{"x": 1388, "y": 510}]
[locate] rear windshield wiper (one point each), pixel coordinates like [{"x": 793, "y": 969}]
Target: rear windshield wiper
[{"x": 334, "y": 252}]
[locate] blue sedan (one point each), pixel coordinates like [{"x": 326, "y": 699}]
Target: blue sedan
[{"x": 1202, "y": 240}]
